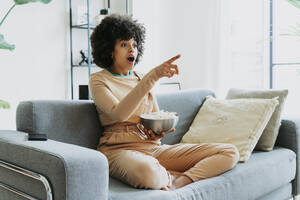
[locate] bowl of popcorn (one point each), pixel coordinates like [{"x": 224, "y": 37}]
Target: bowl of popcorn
[{"x": 161, "y": 121}]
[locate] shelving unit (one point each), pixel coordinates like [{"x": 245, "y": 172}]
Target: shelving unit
[{"x": 89, "y": 27}]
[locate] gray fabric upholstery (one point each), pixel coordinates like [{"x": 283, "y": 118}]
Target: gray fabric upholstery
[
  {"x": 263, "y": 173},
  {"x": 74, "y": 122},
  {"x": 74, "y": 172},
  {"x": 281, "y": 193},
  {"x": 187, "y": 104},
  {"x": 250, "y": 180},
  {"x": 7, "y": 195},
  {"x": 288, "y": 137}
]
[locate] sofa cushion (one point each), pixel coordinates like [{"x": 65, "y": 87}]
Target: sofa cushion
[
  {"x": 262, "y": 173},
  {"x": 249, "y": 180},
  {"x": 284, "y": 192}
]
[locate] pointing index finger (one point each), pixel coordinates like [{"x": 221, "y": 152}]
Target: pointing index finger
[{"x": 173, "y": 59}]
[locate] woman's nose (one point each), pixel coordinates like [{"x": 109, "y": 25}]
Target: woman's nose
[{"x": 131, "y": 49}]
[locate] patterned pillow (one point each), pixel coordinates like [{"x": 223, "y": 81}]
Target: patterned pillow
[
  {"x": 268, "y": 138},
  {"x": 236, "y": 121}
]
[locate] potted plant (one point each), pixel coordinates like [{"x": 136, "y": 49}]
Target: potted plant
[{"x": 7, "y": 46}]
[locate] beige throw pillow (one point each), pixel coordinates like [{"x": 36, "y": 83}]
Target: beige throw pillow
[
  {"x": 237, "y": 121},
  {"x": 268, "y": 138}
]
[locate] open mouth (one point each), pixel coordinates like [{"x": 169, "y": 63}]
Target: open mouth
[{"x": 130, "y": 58}]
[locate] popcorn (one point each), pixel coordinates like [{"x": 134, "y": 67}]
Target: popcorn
[{"x": 159, "y": 115}]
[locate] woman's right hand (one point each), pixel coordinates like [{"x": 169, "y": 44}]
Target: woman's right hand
[
  {"x": 152, "y": 136},
  {"x": 167, "y": 69}
]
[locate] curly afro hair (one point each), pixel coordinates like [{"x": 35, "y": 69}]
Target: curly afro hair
[{"x": 112, "y": 28}]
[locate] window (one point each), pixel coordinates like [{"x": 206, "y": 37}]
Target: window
[{"x": 285, "y": 53}]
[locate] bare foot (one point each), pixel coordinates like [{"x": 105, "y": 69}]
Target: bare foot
[
  {"x": 165, "y": 188},
  {"x": 173, "y": 178},
  {"x": 180, "y": 182}
]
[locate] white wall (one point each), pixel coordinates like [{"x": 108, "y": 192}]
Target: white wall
[
  {"x": 244, "y": 44},
  {"x": 223, "y": 43},
  {"x": 190, "y": 28},
  {"x": 39, "y": 66}
]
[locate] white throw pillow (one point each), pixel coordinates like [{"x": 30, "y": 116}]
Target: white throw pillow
[{"x": 235, "y": 121}]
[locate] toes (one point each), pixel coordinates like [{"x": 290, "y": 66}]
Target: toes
[{"x": 165, "y": 188}]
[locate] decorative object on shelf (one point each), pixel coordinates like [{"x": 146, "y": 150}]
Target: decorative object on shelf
[
  {"x": 84, "y": 57},
  {"x": 3, "y": 43},
  {"x": 83, "y": 92},
  {"x": 98, "y": 18}
]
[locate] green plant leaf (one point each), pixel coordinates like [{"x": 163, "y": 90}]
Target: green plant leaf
[
  {"x": 294, "y": 31},
  {"x": 5, "y": 45},
  {"x": 295, "y": 3},
  {"x": 4, "y": 104},
  {"x": 21, "y": 2}
]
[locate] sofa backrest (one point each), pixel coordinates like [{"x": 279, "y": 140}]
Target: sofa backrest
[
  {"x": 71, "y": 121},
  {"x": 77, "y": 122}
]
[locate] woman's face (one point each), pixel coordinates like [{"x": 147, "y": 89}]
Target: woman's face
[{"x": 124, "y": 54}]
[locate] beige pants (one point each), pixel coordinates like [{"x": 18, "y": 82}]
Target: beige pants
[{"x": 143, "y": 163}]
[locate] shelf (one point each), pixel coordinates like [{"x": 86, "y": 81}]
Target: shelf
[
  {"x": 170, "y": 83},
  {"x": 83, "y": 26},
  {"x": 274, "y": 64},
  {"x": 85, "y": 65}
]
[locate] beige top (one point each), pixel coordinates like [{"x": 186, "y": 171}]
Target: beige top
[{"x": 123, "y": 99}]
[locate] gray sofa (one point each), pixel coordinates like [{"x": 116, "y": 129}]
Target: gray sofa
[{"x": 67, "y": 166}]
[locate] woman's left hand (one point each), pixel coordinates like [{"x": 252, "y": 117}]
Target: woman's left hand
[{"x": 152, "y": 136}]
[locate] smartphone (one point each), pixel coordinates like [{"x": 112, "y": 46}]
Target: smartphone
[{"x": 34, "y": 136}]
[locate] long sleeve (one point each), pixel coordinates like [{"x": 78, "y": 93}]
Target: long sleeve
[{"x": 123, "y": 109}]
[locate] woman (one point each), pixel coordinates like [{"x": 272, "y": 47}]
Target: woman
[{"x": 121, "y": 94}]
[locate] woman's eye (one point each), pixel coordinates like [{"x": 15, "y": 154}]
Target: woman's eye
[{"x": 123, "y": 45}]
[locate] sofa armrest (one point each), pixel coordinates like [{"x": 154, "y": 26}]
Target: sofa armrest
[
  {"x": 288, "y": 137},
  {"x": 74, "y": 172}
]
